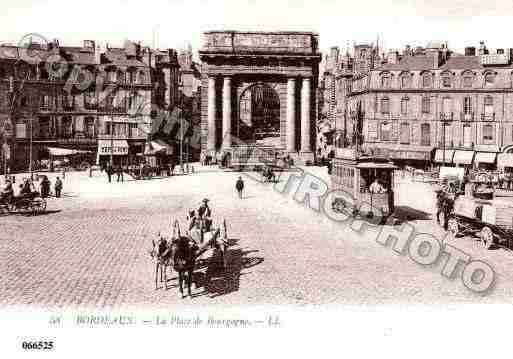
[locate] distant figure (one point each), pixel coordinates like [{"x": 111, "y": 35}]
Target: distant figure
[
  {"x": 109, "y": 172},
  {"x": 64, "y": 173},
  {"x": 58, "y": 187},
  {"x": 239, "y": 186},
  {"x": 119, "y": 173},
  {"x": 45, "y": 187}
]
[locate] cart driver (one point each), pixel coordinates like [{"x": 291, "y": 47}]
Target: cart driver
[{"x": 204, "y": 212}]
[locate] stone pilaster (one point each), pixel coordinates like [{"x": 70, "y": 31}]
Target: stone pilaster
[
  {"x": 305, "y": 116},
  {"x": 291, "y": 115},
  {"x": 227, "y": 112},
  {"x": 211, "y": 114}
]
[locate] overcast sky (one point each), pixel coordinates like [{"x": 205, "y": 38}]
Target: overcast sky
[{"x": 338, "y": 22}]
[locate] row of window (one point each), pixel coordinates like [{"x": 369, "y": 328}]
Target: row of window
[
  {"x": 386, "y": 134},
  {"x": 112, "y": 75},
  {"x": 447, "y": 80},
  {"x": 47, "y": 129},
  {"x": 128, "y": 101},
  {"x": 447, "y": 105}
]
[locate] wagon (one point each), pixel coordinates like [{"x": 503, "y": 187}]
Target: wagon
[
  {"x": 354, "y": 175},
  {"x": 32, "y": 205},
  {"x": 489, "y": 219}
]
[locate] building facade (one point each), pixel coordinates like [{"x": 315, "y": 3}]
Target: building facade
[
  {"x": 432, "y": 105},
  {"x": 87, "y": 98},
  {"x": 259, "y": 91}
]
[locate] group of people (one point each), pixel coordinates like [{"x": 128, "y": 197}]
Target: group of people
[{"x": 28, "y": 189}]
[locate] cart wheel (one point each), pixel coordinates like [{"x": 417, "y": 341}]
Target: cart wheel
[
  {"x": 453, "y": 226},
  {"x": 486, "y": 237}
]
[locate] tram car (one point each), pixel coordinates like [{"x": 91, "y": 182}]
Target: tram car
[{"x": 367, "y": 180}]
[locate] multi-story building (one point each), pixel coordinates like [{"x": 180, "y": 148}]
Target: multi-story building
[
  {"x": 434, "y": 105},
  {"x": 84, "y": 98},
  {"x": 333, "y": 127}
]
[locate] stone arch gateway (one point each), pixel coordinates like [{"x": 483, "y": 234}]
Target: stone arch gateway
[{"x": 259, "y": 90}]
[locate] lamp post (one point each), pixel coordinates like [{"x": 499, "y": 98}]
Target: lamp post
[
  {"x": 112, "y": 140},
  {"x": 30, "y": 148}
]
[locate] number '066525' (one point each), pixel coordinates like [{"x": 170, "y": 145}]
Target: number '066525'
[{"x": 37, "y": 345}]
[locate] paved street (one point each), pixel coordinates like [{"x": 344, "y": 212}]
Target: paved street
[{"x": 92, "y": 250}]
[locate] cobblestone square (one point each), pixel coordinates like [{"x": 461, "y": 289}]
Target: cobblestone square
[{"x": 91, "y": 250}]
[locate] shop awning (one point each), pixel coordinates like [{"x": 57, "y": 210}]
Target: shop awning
[
  {"x": 54, "y": 151},
  {"x": 463, "y": 157},
  {"x": 158, "y": 146},
  {"x": 116, "y": 147},
  {"x": 485, "y": 157},
  {"x": 505, "y": 160},
  {"x": 439, "y": 156}
]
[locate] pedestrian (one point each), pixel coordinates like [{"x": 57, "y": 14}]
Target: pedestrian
[
  {"x": 119, "y": 173},
  {"x": 109, "y": 172},
  {"x": 239, "y": 186},
  {"x": 63, "y": 172},
  {"x": 58, "y": 187}
]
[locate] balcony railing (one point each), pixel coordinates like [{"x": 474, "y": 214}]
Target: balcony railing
[
  {"x": 69, "y": 107},
  {"x": 488, "y": 116},
  {"x": 446, "y": 116},
  {"x": 467, "y": 116}
]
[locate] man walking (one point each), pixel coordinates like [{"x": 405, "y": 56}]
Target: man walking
[
  {"x": 109, "y": 172},
  {"x": 58, "y": 187},
  {"x": 239, "y": 186}
]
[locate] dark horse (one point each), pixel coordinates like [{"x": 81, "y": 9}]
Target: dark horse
[
  {"x": 179, "y": 253},
  {"x": 184, "y": 252}
]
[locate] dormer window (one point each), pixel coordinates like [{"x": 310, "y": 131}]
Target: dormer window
[
  {"x": 446, "y": 81},
  {"x": 142, "y": 77},
  {"x": 405, "y": 81},
  {"x": 468, "y": 80},
  {"x": 385, "y": 80},
  {"x": 489, "y": 79},
  {"x": 427, "y": 80}
]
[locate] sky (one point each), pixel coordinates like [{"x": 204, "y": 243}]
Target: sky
[{"x": 176, "y": 23}]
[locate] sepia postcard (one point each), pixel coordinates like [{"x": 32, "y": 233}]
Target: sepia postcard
[{"x": 248, "y": 178}]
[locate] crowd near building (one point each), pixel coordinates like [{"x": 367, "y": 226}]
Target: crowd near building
[
  {"x": 94, "y": 99},
  {"x": 423, "y": 107}
]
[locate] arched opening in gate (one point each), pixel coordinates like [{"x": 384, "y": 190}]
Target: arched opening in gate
[{"x": 259, "y": 116}]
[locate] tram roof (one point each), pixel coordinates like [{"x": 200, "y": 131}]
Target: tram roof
[{"x": 378, "y": 165}]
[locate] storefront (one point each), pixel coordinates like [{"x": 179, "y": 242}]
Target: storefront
[
  {"x": 505, "y": 162},
  {"x": 485, "y": 160},
  {"x": 444, "y": 157},
  {"x": 158, "y": 153},
  {"x": 463, "y": 158},
  {"x": 117, "y": 148}
]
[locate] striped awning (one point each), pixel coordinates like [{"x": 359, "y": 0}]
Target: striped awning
[
  {"x": 505, "y": 160},
  {"x": 463, "y": 157},
  {"x": 485, "y": 157},
  {"x": 439, "y": 156}
]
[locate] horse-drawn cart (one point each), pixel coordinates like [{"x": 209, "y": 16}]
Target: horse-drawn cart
[
  {"x": 490, "y": 220},
  {"x": 24, "y": 204}
]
